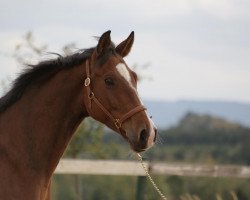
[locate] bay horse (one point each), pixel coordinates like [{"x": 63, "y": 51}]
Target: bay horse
[{"x": 48, "y": 101}]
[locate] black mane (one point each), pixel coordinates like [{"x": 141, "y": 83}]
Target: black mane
[{"x": 41, "y": 72}]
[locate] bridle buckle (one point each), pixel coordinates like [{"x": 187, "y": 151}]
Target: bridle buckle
[
  {"x": 118, "y": 124},
  {"x": 91, "y": 95},
  {"x": 87, "y": 82}
]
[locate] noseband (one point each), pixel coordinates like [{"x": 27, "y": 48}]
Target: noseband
[{"x": 118, "y": 121}]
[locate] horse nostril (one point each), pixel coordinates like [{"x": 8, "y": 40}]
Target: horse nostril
[
  {"x": 155, "y": 129},
  {"x": 144, "y": 136}
]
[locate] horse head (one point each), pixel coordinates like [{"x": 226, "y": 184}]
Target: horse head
[{"x": 111, "y": 93}]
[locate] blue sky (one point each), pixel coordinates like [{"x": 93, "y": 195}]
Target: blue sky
[{"x": 197, "y": 50}]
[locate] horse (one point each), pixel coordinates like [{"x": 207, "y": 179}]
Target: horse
[{"x": 48, "y": 101}]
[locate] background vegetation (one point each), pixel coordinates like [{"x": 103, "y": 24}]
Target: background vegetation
[{"x": 196, "y": 139}]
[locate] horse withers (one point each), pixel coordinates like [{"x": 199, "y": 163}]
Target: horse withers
[{"x": 47, "y": 102}]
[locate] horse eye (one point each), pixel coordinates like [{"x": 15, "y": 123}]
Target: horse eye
[{"x": 109, "y": 82}]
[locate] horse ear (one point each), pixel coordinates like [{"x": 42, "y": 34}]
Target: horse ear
[
  {"x": 124, "y": 47},
  {"x": 103, "y": 43}
]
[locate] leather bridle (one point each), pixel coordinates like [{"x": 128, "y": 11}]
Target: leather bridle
[{"x": 118, "y": 121}]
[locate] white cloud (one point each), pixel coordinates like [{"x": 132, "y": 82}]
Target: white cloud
[{"x": 197, "y": 48}]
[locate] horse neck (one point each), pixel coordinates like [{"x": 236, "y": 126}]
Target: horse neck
[{"x": 46, "y": 117}]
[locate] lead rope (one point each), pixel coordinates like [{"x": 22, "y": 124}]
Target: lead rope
[
  {"x": 118, "y": 122},
  {"x": 150, "y": 178}
]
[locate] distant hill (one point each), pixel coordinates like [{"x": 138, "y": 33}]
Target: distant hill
[
  {"x": 205, "y": 138},
  {"x": 192, "y": 122},
  {"x": 205, "y": 129},
  {"x": 167, "y": 114}
]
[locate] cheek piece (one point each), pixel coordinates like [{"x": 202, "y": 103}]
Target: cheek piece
[{"x": 117, "y": 120}]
